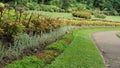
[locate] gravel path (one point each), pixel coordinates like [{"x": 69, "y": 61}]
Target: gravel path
[{"x": 109, "y": 45}]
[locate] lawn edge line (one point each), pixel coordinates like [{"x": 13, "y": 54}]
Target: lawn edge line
[
  {"x": 98, "y": 49},
  {"x": 118, "y": 35}
]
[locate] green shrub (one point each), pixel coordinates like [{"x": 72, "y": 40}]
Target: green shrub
[
  {"x": 33, "y": 6},
  {"x": 2, "y": 5},
  {"x": 62, "y": 10},
  {"x": 27, "y": 62},
  {"x": 11, "y": 29},
  {"x": 68, "y": 36},
  {"x": 59, "y": 45},
  {"x": 50, "y": 8},
  {"x": 109, "y": 13},
  {"x": 81, "y": 6},
  {"x": 82, "y": 14},
  {"x": 113, "y": 13},
  {"x": 100, "y": 16}
]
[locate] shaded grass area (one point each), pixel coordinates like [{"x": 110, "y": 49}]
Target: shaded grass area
[
  {"x": 110, "y": 18},
  {"x": 69, "y": 15},
  {"x": 82, "y": 52},
  {"x": 54, "y": 14},
  {"x": 113, "y": 18}
]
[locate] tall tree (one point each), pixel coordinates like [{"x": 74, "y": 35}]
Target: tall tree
[{"x": 67, "y": 3}]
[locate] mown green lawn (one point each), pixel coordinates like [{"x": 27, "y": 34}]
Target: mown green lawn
[
  {"x": 54, "y": 14},
  {"x": 110, "y": 18},
  {"x": 113, "y": 18},
  {"x": 69, "y": 15},
  {"x": 82, "y": 52}
]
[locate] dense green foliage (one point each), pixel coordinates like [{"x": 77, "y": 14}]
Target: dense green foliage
[
  {"x": 59, "y": 45},
  {"x": 100, "y": 16},
  {"x": 104, "y": 5}
]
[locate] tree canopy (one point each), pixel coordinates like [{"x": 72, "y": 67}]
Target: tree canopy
[{"x": 100, "y": 4}]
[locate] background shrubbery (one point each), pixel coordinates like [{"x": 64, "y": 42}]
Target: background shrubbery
[
  {"x": 82, "y": 14},
  {"x": 109, "y": 7},
  {"x": 100, "y": 16}
]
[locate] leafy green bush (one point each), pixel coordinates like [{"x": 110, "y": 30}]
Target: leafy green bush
[
  {"x": 100, "y": 16},
  {"x": 50, "y": 8},
  {"x": 11, "y": 29},
  {"x": 59, "y": 45},
  {"x": 68, "y": 36},
  {"x": 27, "y": 62},
  {"x": 81, "y": 6},
  {"x": 106, "y": 12},
  {"x": 112, "y": 12},
  {"x": 33, "y": 6},
  {"x": 2, "y": 5},
  {"x": 82, "y": 14}
]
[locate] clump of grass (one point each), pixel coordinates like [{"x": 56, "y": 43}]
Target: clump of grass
[
  {"x": 27, "y": 62},
  {"x": 68, "y": 36},
  {"x": 100, "y": 16},
  {"x": 118, "y": 34},
  {"x": 59, "y": 45},
  {"x": 48, "y": 55}
]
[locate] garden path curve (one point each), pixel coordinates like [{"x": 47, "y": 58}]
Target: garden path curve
[{"x": 109, "y": 45}]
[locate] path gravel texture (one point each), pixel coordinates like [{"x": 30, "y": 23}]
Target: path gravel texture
[{"x": 109, "y": 46}]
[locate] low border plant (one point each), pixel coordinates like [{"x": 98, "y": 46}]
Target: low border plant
[{"x": 27, "y": 62}]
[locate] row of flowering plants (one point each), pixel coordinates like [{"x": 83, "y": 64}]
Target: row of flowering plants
[
  {"x": 14, "y": 21},
  {"x": 93, "y": 23},
  {"x": 12, "y": 24}
]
